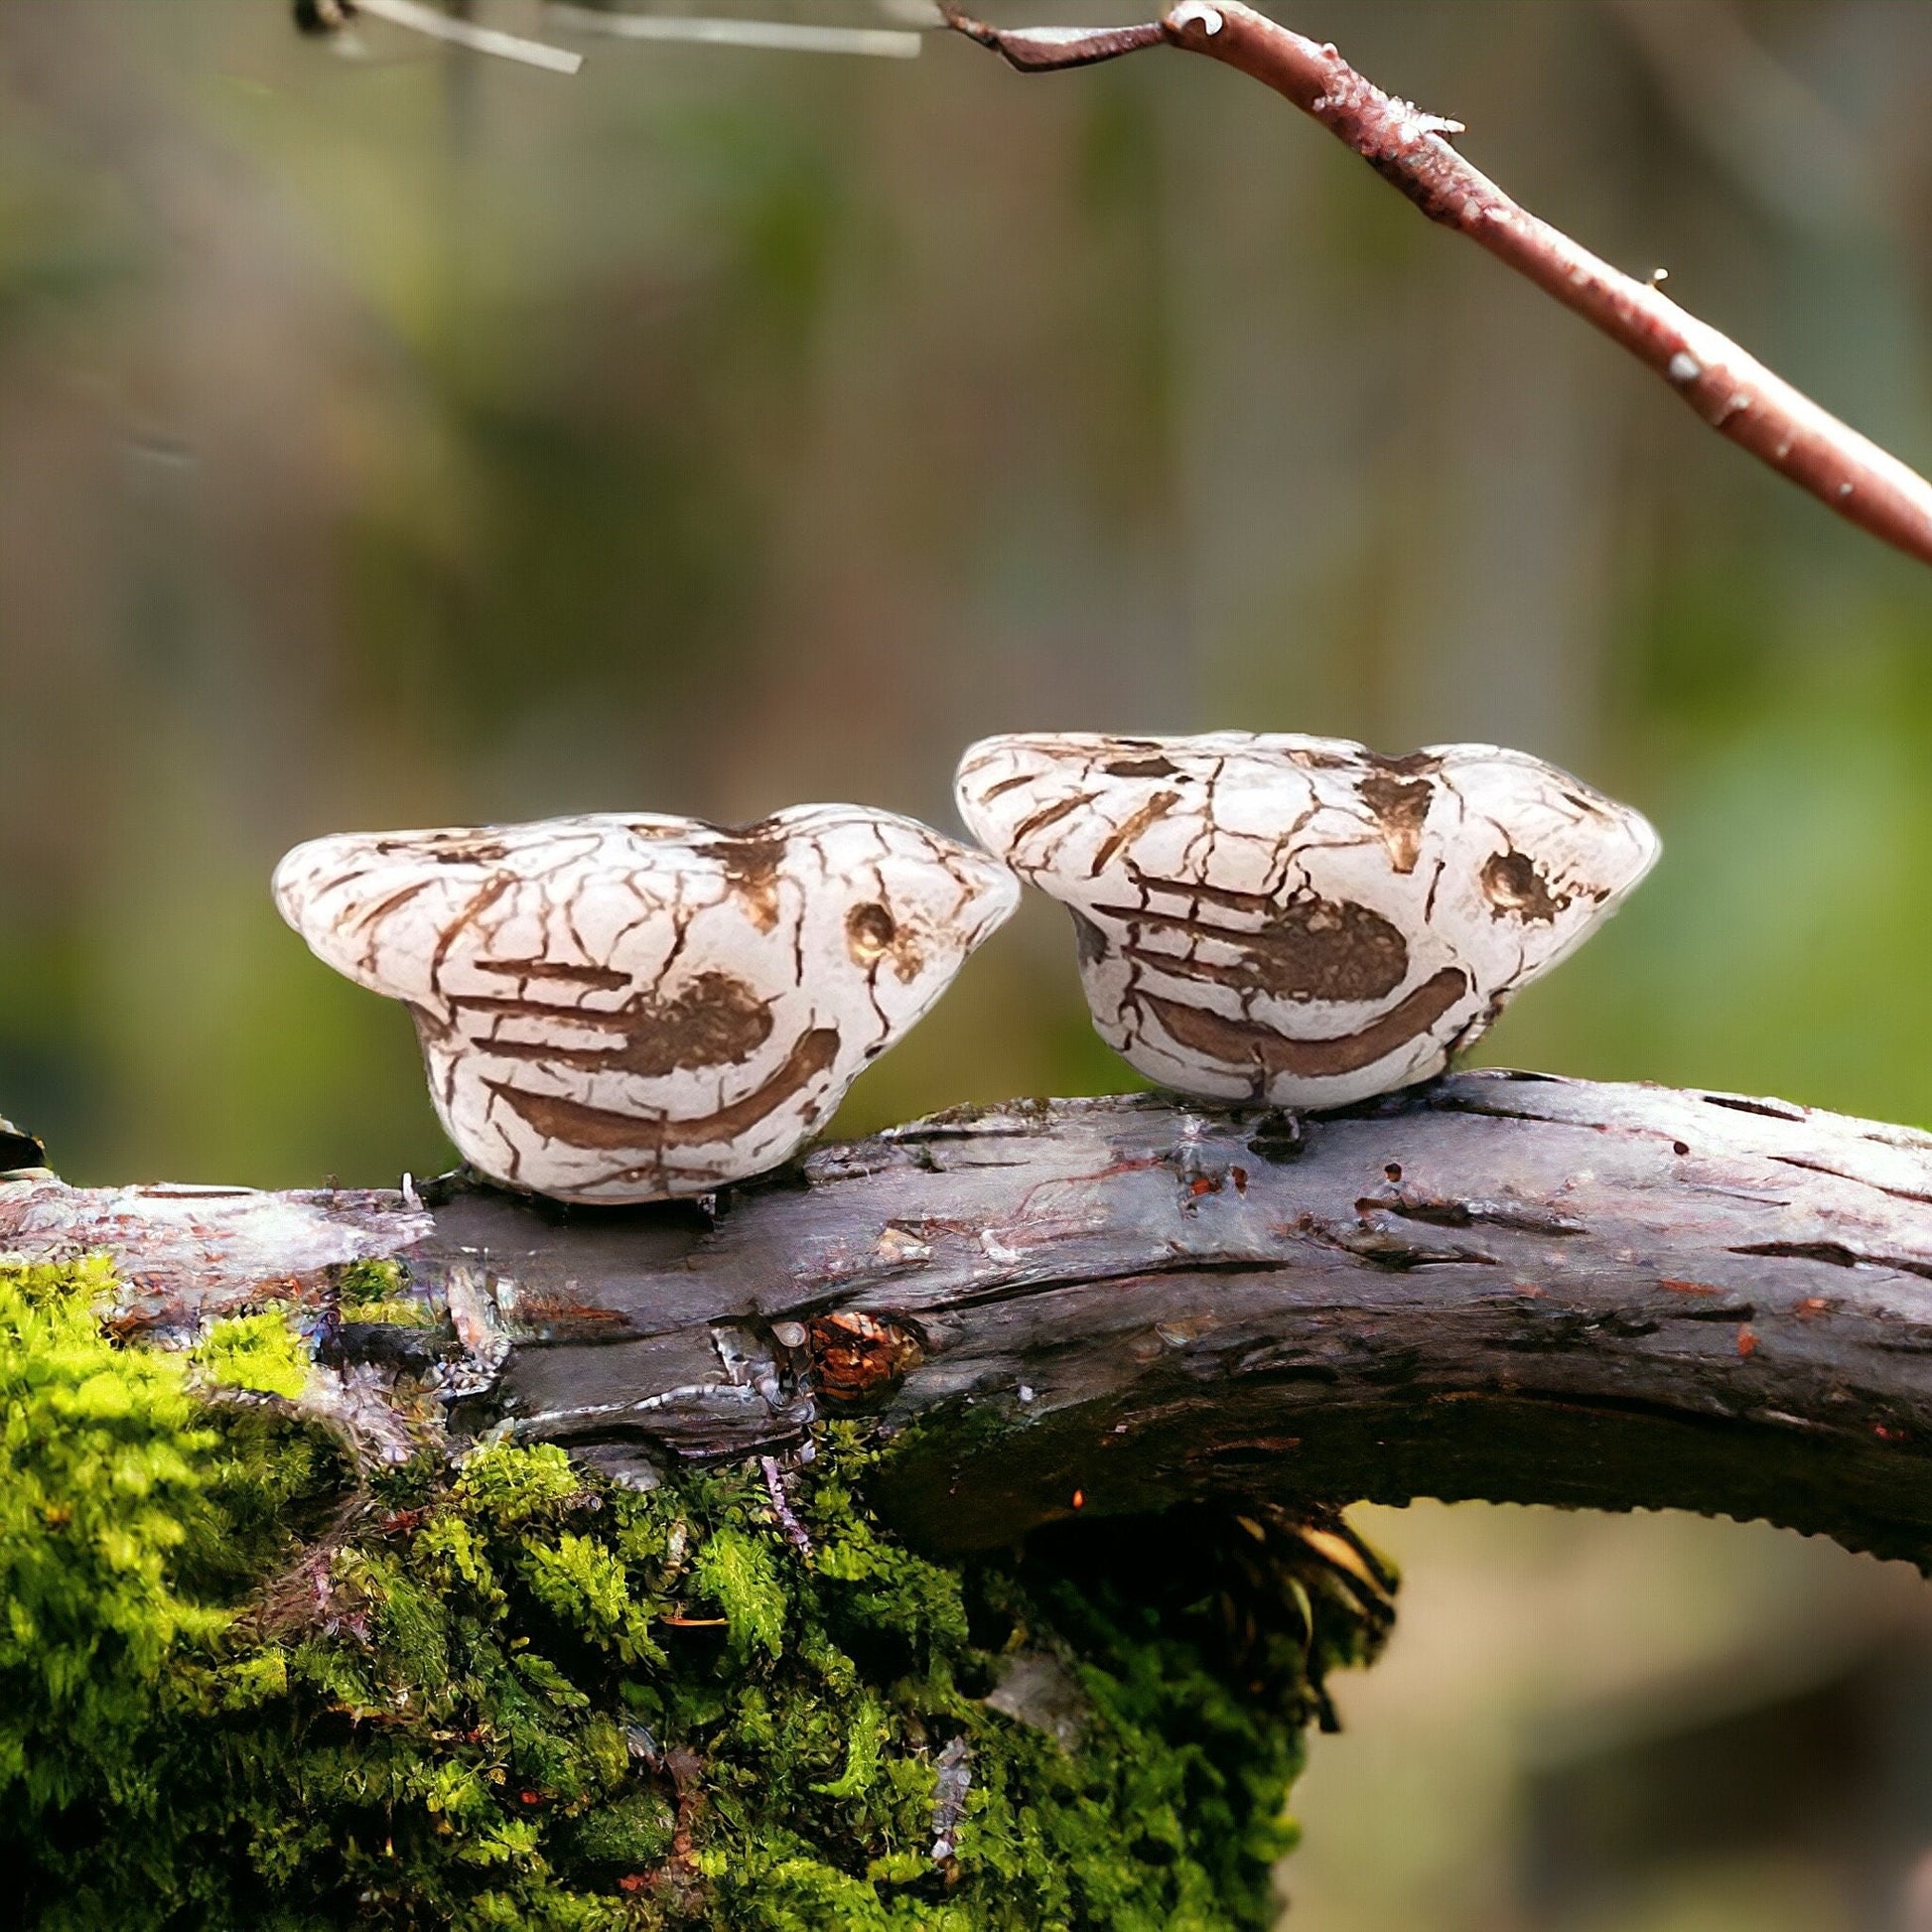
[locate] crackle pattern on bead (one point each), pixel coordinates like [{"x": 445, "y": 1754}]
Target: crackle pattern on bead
[
  {"x": 622, "y": 1008},
  {"x": 1300, "y": 920}
]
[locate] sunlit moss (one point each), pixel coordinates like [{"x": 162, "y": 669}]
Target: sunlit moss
[
  {"x": 367, "y": 1284},
  {"x": 235, "y": 1692},
  {"x": 379, "y": 1292},
  {"x": 260, "y": 1353},
  {"x": 104, "y": 1477}
]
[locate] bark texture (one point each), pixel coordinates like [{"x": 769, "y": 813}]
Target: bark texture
[{"x": 1501, "y": 1285}]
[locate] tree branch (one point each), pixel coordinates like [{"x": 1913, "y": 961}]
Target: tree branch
[
  {"x": 1729, "y": 389},
  {"x": 1498, "y": 1286}
]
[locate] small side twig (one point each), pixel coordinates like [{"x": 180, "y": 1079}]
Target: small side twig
[
  {"x": 1734, "y": 392},
  {"x": 954, "y": 1781},
  {"x": 331, "y": 16},
  {"x": 797, "y": 1534},
  {"x": 1045, "y": 50},
  {"x": 777, "y": 36}
]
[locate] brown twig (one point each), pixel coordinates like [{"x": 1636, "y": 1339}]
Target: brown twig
[{"x": 1732, "y": 390}]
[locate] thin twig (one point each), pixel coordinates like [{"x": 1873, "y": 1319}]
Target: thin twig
[
  {"x": 797, "y": 1534},
  {"x": 420, "y": 19},
  {"x": 785, "y": 37},
  {"x": 1732, "y": 390}
]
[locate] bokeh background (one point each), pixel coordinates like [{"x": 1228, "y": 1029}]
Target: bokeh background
[{"x": 393, "y": 437}]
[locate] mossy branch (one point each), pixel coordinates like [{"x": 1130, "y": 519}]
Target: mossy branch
[
  {"x": 241, "y": 1688},
  {"x": 326, "y": 1627},
  {"x": 1498, "y": 1286}
]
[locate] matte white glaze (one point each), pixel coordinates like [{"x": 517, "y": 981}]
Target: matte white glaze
[
  {"x": 1298, "y": 919},
  {"x": 624, "y": 1007}
]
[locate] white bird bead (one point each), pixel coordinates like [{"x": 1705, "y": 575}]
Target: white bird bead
[
  {"x": 1298, "y": 920},
  {"x": 623, "y": 1008}
]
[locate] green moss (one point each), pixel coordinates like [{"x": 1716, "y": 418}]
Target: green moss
[
  {"x": 403, "y": 1313},
  {"x": 379, "y": 1292},
  {"x": 364, "y": 1283},
  {"x": 235, "y": 1693},
  {"x": 262, "y": 1353},
  {"x": 104, "y": 1477}
]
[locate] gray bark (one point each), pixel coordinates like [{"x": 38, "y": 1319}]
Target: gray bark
[{"x": 1499, "y": 1286}]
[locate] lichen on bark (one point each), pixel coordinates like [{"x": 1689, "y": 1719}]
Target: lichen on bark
[{"x": 244, "y": 1684}]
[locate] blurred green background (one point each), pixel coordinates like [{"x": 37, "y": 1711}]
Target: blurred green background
[{"x": 391, "y": 437}]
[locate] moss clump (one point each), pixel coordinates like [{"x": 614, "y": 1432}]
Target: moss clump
[
  {"x": 259, "y": 1353},
  {"x": 379, "y": 1292},
  {"x": 104, "y": 1473},
  {"x": 237, "y": 1695},
  {"x": 362, "y": 1283}
]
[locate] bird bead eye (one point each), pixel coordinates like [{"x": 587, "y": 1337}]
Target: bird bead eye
[
  {"x": 870, "y": 932},
  {"x": 1513, "y": 884},
  {"x": 619, "y": 1009},
  {"x": 1300, "y": 920}
]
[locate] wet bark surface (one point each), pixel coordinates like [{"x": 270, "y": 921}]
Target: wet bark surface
[{"x": 1500, "y": 1285}]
